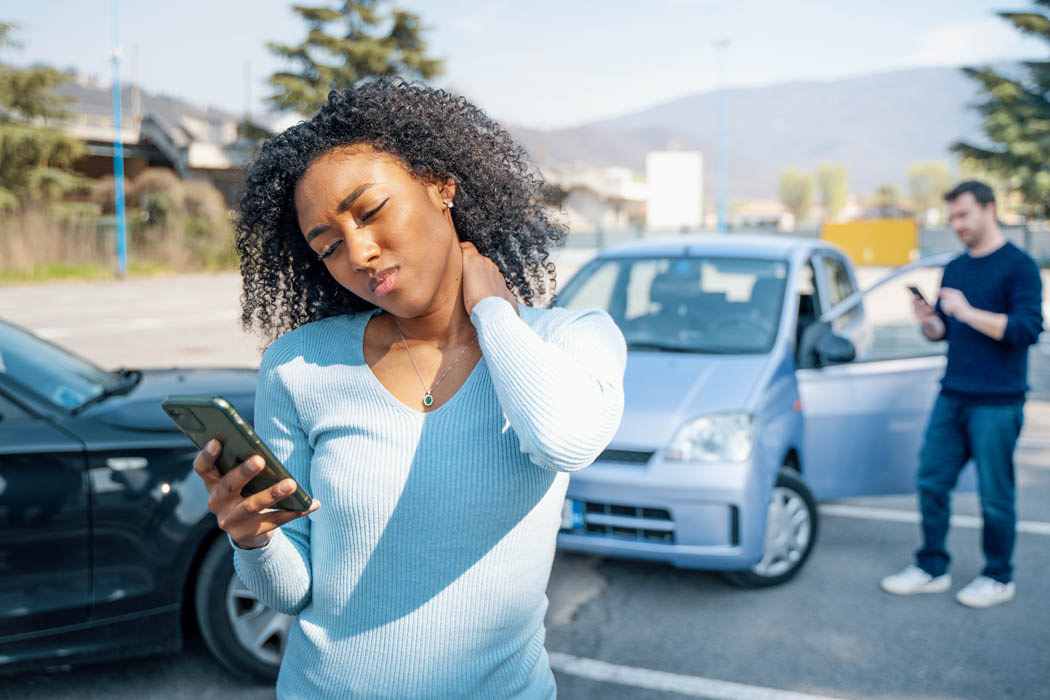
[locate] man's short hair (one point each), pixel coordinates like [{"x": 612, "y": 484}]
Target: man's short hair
[{"x": 980, "y": 191}]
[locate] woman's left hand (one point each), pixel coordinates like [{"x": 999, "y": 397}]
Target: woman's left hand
[{"x": 481, "y": 278}]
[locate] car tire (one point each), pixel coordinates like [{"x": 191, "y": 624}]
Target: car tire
[
  {"x": 791, "y": 532},
  {"x": 246, "y": 637}
]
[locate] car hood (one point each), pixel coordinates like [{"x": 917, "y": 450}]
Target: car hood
[
  {"x": 663, "y": 390},
  {"x": 141, "y": 410}
]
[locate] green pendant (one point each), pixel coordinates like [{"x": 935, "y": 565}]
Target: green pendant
[{"x": 428, "y": 400}]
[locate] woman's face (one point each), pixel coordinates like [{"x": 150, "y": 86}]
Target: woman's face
[{"x": 384, "y": 234}]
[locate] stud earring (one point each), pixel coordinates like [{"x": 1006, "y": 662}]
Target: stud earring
[{"x": 448, "y": 203}]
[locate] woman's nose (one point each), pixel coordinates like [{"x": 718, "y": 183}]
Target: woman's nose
[{"x": 362, "y": 247}]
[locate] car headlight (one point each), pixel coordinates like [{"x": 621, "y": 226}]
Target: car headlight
[{"x": 722, "y": 437}]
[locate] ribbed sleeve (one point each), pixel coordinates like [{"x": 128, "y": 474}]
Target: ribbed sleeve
[
  {"x": 563, "y": 396},
  {"x": 279, "y": 573}
]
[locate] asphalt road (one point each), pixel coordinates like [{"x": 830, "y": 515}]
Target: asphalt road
[{"x": 829, "y": 633}]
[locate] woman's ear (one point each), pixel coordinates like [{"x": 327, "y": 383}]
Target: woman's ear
[{"x": 447, "y": 190}]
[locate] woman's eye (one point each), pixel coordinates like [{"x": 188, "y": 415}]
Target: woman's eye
[
  {"x": 368, "y": 215},
  {"x": 328, "y": 251}
]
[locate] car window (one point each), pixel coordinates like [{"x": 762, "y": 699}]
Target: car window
[
  {"x": 840, "y": 286},
  {"x": 37, "y": 367},
  {"x": 11, "y": 411},
  {"x": 807, "y": 287},
  {"x": 688, "y": 304},
  {"x": 809, "y": 306}
]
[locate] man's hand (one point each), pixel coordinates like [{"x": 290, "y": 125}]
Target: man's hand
[
  {"x": 953, "y": 303},
  {"x": 923, "y": 311},
  {"x": 932, "y": 325},
  {"x": 481, "y": 278}
]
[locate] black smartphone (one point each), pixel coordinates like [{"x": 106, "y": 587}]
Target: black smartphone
[
  {"x": 203, "y": 418},
  {"x": 917, "y": 294}
]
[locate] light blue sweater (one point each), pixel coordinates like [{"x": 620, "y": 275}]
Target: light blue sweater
[{"x": 423, "y": 574}]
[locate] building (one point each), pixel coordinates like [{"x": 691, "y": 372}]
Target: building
[
  {"x": 593, "y": 198},
  {"x": 157, "y": 131}
]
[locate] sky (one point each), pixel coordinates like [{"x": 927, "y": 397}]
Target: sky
[{"x": 541, "y": 63}]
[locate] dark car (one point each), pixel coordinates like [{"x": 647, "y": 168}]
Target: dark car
[{"x": 108, "y": 548}]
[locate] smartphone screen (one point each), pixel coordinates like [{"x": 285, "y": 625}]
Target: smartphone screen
[{"x": 203, "y": 418}]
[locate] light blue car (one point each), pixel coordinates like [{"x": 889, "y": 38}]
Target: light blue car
[{"x": 750, "y": 392}]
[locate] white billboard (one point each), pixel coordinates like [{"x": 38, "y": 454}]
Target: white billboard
[{"x": 675, "y": 180}]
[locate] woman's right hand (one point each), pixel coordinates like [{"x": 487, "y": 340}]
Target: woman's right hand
[{"x": 239, "y": 516}]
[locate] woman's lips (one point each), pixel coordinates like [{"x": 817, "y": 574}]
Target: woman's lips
[{"x": 384, "y": 282}]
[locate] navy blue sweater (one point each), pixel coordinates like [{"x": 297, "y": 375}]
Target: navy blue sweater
[{"x": 979, "y": 367}]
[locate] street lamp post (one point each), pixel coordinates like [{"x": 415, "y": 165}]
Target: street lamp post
[
  {"x": 118, "y": 155},
  {"x": 723, "y": 186}
]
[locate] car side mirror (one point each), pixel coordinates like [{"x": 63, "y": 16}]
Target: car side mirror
[{"x": 832, "y": 349}]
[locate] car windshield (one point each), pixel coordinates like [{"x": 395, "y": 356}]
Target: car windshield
[
  {"x": 49, "y": 372},
  {"x": 712, "y": 305}
]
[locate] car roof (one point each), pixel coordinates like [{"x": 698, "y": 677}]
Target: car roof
[{"x": 743, "y": 245}]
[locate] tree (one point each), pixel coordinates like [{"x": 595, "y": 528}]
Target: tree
[
  {"x": 361, "y": 43},
  {"x": 34, "y": 154},
  {"x": 927, "y": 183},
  {"x": 796, "y": 193},
  {"x": 834, "y": 190},
  {"x": 1016, "y": 115},
  {"x": 887, "y": 197}
]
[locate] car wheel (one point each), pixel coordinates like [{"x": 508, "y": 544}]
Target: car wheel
[
  {"x": 791, "y": 531},
  {"x": 243, "y": 635}
]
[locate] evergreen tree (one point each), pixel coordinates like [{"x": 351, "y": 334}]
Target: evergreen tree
[
  {"x": 346, "y": 45},
  {"x": 1016, "y": 115},
  {"x": 34, "y": 154}
]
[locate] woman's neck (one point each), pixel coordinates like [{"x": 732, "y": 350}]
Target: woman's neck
[{"x": 446, "y": 323}]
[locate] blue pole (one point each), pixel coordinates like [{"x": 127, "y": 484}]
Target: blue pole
[
  {"x": 723, "y": 174},
  {"x": 118, "y": 157}
]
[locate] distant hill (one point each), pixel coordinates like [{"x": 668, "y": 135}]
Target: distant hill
[{"x": 875, "y": 125}]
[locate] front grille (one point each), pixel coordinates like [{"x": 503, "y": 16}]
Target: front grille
[
  {"x": 631, "y": 522},
  {"x": 626, "y": 456}
]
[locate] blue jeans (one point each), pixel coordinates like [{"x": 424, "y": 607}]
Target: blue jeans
[{"x": 960, "y": 430}]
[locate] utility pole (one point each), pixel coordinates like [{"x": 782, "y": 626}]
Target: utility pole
[
  {"x": 723, "y": 175},
  {"x": 118, "y": 155}
]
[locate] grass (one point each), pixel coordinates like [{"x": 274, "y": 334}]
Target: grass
[{"x": 66, "y": 271}]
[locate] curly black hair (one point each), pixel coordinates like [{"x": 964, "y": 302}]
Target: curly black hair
[{"x": 435, "y": 134}]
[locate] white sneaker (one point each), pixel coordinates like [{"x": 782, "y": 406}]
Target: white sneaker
[
  {"x": 914, "y": 580},
  {"x": 984, "y": 592}
]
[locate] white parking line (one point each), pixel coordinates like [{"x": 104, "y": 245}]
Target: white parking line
[
  {"x": 695, "y": 686},
  {"x": 895, "y": 515}
]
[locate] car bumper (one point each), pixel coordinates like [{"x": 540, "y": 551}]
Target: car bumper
[{"x": 694, "y": 516}]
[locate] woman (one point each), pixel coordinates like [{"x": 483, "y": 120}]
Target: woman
[{"x": 392, "y": 243}]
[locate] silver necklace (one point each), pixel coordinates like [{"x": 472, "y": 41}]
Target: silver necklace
[{"x": 428, "y": 400}]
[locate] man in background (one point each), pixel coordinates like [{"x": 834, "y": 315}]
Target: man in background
[{"x": 990, "y": 311}]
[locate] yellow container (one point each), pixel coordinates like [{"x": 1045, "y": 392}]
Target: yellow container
[{"x": 889, "y": 242}]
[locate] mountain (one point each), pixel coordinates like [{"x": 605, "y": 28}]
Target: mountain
[{"x": 875, "y": 125}]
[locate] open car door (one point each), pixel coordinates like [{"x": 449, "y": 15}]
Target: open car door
[{"x": 867, "y": 379}]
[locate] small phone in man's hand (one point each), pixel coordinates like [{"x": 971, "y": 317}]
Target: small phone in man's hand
[
  {"x": 917, "y": 294},
  {"x": 203, "y": 418}
]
